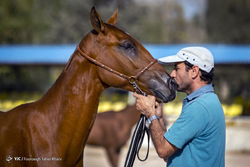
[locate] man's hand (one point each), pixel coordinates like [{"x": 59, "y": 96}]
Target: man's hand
[{"x": 145, "y": 104}]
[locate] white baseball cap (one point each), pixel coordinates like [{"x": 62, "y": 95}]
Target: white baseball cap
[{"x": 199, "y": 56}]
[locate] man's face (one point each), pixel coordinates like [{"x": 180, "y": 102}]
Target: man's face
[{"x": 181, "y": 77}]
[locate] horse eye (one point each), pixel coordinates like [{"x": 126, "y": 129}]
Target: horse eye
[
  {"x": 127, "y": 45},
  {"x": 128, "y": 48}
]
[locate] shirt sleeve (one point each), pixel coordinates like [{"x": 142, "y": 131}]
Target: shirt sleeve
[{"x": 192, "y": 121}]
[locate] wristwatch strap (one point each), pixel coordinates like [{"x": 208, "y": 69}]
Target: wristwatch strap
[{"x": 151, "y": 119}]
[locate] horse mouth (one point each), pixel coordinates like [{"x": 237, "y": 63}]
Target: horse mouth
[{"x": 165, "y": 99}]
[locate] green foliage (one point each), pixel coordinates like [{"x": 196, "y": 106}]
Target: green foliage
[
  {"x": 15, "y": 20},
  {"x": 228, "y": 21},
  {"x": 154, "y": 23},
  {"x": 36, "y": 21},
  {"x": 30, "y": 78},
  {"x": 67, "y": 21}
]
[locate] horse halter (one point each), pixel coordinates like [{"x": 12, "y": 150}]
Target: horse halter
[
  {"x": 141, "y": 129},
  {"x": 131, "y": 79}
]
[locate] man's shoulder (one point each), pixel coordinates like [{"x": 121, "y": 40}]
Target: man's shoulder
[
  {"x": 206, "y": 99},
  {"x": 202, "y": 104}
]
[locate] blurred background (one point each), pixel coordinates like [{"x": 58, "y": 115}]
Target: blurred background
[{"x": 37, "y": 38}]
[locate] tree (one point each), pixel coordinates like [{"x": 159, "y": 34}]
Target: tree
[{"x": 228, "y": 21}]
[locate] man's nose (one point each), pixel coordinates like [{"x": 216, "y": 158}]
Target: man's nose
[{"x": 173, "y": 74}]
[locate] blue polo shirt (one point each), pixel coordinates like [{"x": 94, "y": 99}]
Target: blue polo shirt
[{"x": 199, "y": 132}]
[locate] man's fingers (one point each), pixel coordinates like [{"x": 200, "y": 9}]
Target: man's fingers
[
  {"x": 136, "y": 95},
  {"x": 139, "y": 96}
]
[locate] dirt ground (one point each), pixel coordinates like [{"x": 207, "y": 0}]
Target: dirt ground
[{"x": 96, "y": 157}]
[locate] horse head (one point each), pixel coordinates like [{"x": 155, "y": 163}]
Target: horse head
[{"x": 120, "y": 52}]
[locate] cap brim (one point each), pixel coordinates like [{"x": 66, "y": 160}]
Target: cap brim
[{"x": 170, "y": 59}]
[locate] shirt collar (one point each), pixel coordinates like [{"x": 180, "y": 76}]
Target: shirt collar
[{"x": 205, "y": 89}]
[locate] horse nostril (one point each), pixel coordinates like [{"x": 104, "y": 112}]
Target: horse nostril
[{"x": 172, "y": 84}]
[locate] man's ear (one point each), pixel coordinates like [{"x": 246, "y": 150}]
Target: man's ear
[
  {"x": 195, "y": 71},
  {"x": 96, "y": 21}
]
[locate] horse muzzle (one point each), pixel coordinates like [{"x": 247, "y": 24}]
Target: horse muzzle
[{"x": 167, "y": 92}]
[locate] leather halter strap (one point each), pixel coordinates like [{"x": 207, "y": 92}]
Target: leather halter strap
[
  {"x": 131, "y": 79},
  {"x": 140, "y": 130}
]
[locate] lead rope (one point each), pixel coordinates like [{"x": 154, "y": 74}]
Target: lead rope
[{"x": 138, "y": 135}]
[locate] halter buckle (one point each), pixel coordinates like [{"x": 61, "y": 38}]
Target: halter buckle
[{"x": 132, "y": 81}]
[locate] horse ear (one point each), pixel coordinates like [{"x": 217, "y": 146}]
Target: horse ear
[
  {"x": 96, "y": 21},
  {"x": 113, "y": 19}
]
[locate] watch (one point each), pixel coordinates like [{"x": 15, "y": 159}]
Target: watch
[{"x": 149, "y": 121}]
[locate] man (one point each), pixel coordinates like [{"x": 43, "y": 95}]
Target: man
[{"x": 197, "y": 138}]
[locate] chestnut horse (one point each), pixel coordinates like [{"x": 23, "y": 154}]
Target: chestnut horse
[
  {"x": 112, "y": 130},
  {"x": 53, "y": 130}
]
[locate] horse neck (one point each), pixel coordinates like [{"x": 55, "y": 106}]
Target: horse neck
[
  {"x": 72, "y": 101},
  {"x": 130, "y": 115},
  {"x": 77, "y": 85}
]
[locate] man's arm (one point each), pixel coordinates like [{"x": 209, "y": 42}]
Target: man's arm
[
  {"x": 149, "y": 107},
  {"x": 159, "y": 113},
  {"x": 163, "y": 147},
  {"x": 157, "y": 130}
]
